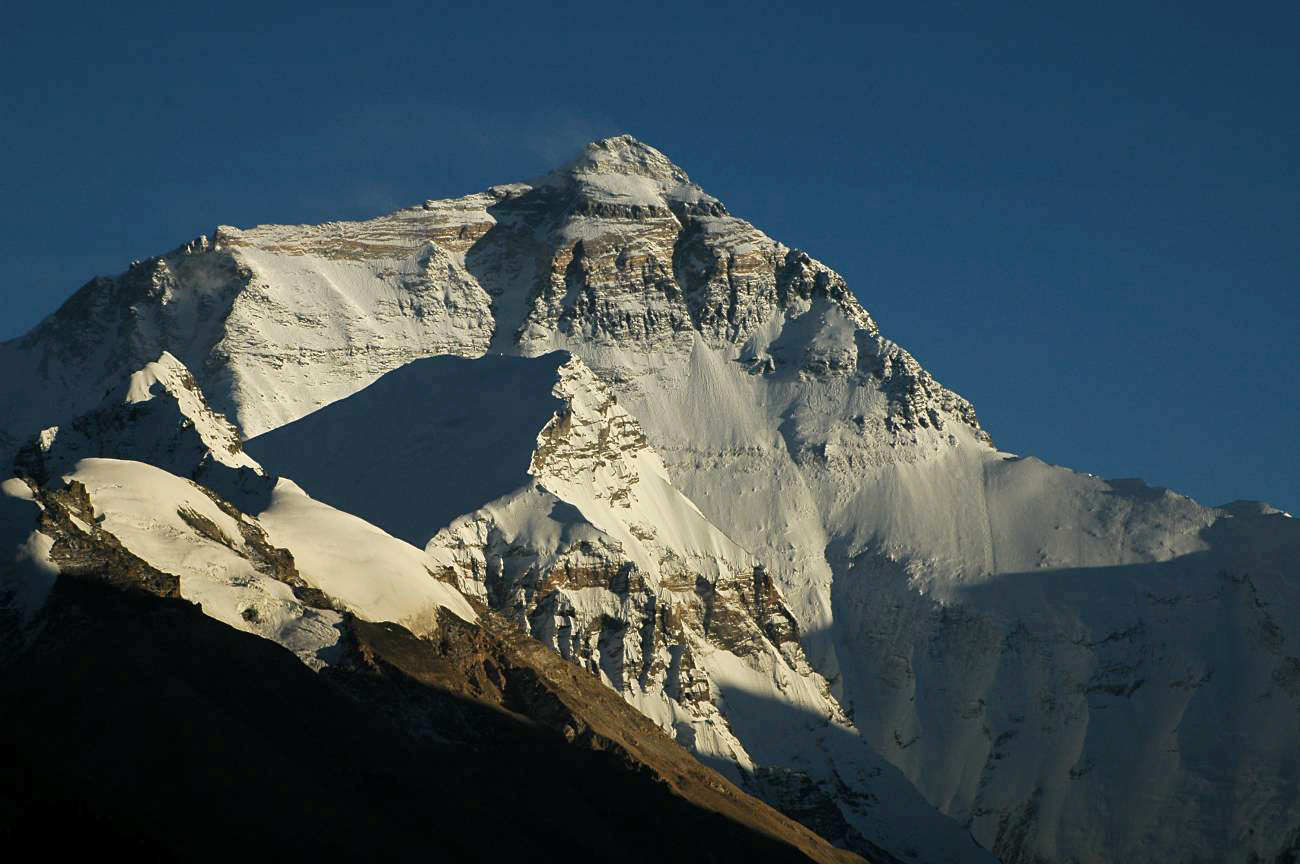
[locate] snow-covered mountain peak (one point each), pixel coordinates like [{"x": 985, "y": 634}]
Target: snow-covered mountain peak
[
  {"x": 167, "y": 382},
  {"x": 509, "y": 379},
  {"x": 623, "y": 154},
  {"x": 623, "y": 176},
  {"x": 617, "y": 251}
]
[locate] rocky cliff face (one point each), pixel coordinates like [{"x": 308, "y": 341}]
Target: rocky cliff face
[{"x": 840, "y": 556}]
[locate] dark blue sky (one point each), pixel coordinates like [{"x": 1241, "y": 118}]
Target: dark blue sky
[{"x": 1084, "y": 217}]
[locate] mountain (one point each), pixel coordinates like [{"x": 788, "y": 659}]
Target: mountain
[
  {"x": 328, "y": 696},
  {"x": 683, "y": 456}
]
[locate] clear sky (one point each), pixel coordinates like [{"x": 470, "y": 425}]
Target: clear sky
[{"x": 1084, "y": 217}]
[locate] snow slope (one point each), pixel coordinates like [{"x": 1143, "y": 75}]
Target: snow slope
[
  {"x": 172, "y": 524},
  {"x": 424, "y": 444},
  {"x": 26, "y": 572},
  {"x": 372, "y": 573},
  {"x": 248, "y": 572}
]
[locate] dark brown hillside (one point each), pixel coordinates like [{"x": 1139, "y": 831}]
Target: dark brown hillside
[{"x": 134, "y": 723}]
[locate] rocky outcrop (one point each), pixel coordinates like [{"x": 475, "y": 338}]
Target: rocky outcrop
[
  {"x": 81, "y": 548},
  {"x": 632, "y": 584}
]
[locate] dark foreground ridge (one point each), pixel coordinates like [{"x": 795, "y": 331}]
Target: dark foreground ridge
[{"x": 211, "y": 744}]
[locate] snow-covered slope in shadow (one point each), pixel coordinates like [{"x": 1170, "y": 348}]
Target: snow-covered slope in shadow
[
  {"x": 424, "y": 444},
  {"x": 1156, "y": 700}
]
